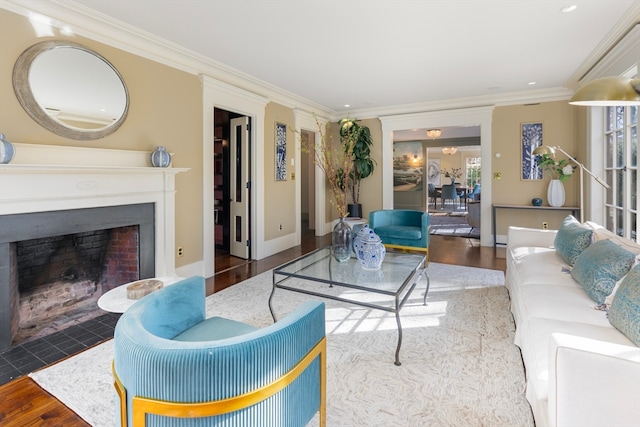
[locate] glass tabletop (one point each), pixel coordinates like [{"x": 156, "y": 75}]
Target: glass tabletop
[{"x": 396, "y": 271}]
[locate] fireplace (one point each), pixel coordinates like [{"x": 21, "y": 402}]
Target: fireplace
[
  {"x": 61, "y": 262},
  {"x": 50, "y": 191}
]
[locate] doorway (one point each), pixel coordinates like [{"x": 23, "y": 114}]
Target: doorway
[
  {"x": 232, "y": 157},
  {"x": 307, "y": 183}
]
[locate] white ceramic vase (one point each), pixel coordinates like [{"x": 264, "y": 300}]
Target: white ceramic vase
[{"x": 555, "y": 193}]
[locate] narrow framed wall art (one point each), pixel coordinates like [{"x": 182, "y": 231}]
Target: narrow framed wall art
[
  {"x": 281, "y": 152},
  {"x": 530, "y": 139}
]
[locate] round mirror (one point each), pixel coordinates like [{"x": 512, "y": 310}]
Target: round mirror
[{"x": 70, "y": 90}]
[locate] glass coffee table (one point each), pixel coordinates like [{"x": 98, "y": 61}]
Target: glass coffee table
[{"x": 386, "y": 289}]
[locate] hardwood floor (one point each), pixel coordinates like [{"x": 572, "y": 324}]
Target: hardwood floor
[{"x": 24, "y": 403}]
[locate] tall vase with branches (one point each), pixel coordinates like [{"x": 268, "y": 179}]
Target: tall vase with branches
[{"x": 335, "y": 159}]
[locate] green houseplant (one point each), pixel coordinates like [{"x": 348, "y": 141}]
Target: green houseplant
[{"x": 357, "y": 138}]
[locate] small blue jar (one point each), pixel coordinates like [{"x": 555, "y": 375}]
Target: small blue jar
[
  {"x": 7, "y": 150},
  {"x": 160, "y": 158}
]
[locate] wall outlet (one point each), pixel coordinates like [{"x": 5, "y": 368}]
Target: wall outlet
[
  {"x": 180, "y": 251},
  {"x": 545, "y": 225}
]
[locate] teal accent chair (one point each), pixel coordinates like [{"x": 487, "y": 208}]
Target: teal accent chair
[
  {"x": 401, "y": 228},
  {"x": 173, "y": 367}
]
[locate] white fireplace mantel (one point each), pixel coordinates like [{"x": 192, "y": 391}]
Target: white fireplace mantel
[{"x": 44, "y": 178}]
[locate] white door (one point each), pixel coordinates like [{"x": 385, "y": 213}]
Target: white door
[{"x": 240, "y": 186}]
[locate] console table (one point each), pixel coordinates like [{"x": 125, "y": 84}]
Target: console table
[{"x": 573, "y": 209}]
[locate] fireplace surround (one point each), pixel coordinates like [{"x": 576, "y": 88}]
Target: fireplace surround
[{"x": 46, "y": 187}]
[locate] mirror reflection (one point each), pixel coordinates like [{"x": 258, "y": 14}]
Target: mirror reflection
[{"x": 70, "y": 90}]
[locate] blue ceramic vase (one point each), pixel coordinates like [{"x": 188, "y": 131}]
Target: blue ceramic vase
[
  {"x": 160, "y": 158},
  {"x": 7, "y": 150}
]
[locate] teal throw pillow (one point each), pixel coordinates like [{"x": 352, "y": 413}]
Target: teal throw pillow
[
  {"x": 624, "y": 313},
  {"x": 572, "y": 238},
  {"x": 600, "y": 266}
]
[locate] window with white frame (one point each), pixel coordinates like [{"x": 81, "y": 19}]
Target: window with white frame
[
  {"x": 621, "y": 169},
  {"x": 472, "y": 170}
]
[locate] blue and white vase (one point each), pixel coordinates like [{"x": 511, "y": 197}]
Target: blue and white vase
[
  {"x": 7, "y": 150},
  {"x": 371, "y": 251},
  {"x": 357, "y": 238},
  {"x": 160, "y": 158}
]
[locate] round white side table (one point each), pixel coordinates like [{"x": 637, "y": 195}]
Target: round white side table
[{"x": 116, "y": 300}]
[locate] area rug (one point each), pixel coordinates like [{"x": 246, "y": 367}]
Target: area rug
[
  {"x": 459, "y": 364},
  {"x": 452, "y": 224}
]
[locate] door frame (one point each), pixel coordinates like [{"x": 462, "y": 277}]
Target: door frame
[
  {"x": 307, "y": 121},
  {"x": 477, "y": 116},
  {"x": 216, "y": 94}
]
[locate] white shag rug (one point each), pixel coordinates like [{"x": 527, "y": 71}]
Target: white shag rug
[{"x": 459, "y": 364}]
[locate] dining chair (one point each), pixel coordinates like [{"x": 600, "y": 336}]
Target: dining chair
[{"x": 449, "y": 192}]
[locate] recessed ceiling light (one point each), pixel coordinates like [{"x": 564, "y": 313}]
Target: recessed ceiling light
[
  {"x": 347, "y": 105},
  {"x": 532, "y": 83},
  {"x": 568, "y": 9}
]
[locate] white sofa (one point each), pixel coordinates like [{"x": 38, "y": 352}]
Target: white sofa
[{"x": 581, "y": 370}]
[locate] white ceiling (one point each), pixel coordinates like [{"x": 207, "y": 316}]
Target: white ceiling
[{"x": 373, "y": 54}]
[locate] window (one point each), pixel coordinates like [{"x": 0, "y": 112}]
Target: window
[
  {"x": 621, "y": 169},
  {"x": 472, "y": 171}
]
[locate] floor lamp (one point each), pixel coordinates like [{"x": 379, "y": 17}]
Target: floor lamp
[{"x": 551, "y": 151}]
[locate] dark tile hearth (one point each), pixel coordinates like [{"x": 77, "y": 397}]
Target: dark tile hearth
[{"x": 35, "y": 354}]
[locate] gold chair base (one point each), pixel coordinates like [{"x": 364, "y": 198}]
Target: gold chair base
[{"x": 142, "y": 405}]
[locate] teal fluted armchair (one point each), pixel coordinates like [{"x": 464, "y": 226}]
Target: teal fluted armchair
[
  {"x": 401, "y": 228},
  {"x": 173, "y": 367}
]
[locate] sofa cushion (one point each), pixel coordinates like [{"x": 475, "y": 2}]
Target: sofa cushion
[
  {"x": 570, "y": 304},
  {"x": 572, "y": 239},
  {"x": 601, "y": 233},
  {"x": 624, "y": 313},
  {"x": 600, "y": 266},
  {"x": 214, "y": 328},
  {"x": 399, "y": 232}
]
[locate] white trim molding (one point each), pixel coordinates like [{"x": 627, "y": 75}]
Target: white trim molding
[{"x": 478, "y": 116}]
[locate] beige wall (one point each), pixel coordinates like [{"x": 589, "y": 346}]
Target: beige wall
[
  {"x": 279, "y": 206},
  {"x": 165, "y": 109},
  {"x": 559, "y": 124}
]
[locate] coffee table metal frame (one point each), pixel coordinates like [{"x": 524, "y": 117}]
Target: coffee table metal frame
[{"x": 319, "y": 266}]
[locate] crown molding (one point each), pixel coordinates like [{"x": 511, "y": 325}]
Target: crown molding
[
  {"x": 623, "y": 38},
  {"x": 512, "y": 98},
  {"x": 88, "y": 23}
]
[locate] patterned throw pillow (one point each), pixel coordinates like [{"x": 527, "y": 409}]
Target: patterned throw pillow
[
  {"x": 600, "y": 266},
  {"x": 572, "y": 238},
  {"x": 624, "y": 313}
]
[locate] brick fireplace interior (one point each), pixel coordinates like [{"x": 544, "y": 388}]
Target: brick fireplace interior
[{"x": 57, "y": 264}]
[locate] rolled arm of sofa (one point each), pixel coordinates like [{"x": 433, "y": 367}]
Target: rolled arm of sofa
[
  {"x": 533, "y": 237},
  {"x": 593, "y": 382}
]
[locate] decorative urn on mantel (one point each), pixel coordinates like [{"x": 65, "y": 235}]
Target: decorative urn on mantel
[{"x": 160, "y": 158}]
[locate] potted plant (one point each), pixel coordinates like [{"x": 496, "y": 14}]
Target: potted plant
[
  {"x": 453, "y": 175},
  {"x": 356, "y": 138}
]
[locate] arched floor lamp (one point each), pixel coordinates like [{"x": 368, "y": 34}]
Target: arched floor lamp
[{"x": 551, "y": 151}]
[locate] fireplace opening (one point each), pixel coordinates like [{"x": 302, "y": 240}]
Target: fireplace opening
[{"x": 60, "y": 278}]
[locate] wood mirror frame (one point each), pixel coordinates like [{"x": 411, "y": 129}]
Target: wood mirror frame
[{"x": 22, "y": 86}]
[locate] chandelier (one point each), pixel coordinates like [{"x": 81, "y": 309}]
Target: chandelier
[
  {"x": 449, "y": 150},
  {"x": 434, "y": 133}
]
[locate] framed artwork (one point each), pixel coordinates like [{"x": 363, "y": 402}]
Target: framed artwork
[
  {"x": 530, "y": 139},
  {"x": 281, "y": 152},
  {"x": 433, "y": 172},
  {"x": 408, "y": 163}
]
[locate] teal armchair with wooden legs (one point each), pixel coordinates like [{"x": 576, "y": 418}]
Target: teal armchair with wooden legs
[
  {"x": 402, "y": 229},
  {"x": 174, "y": 367}
]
